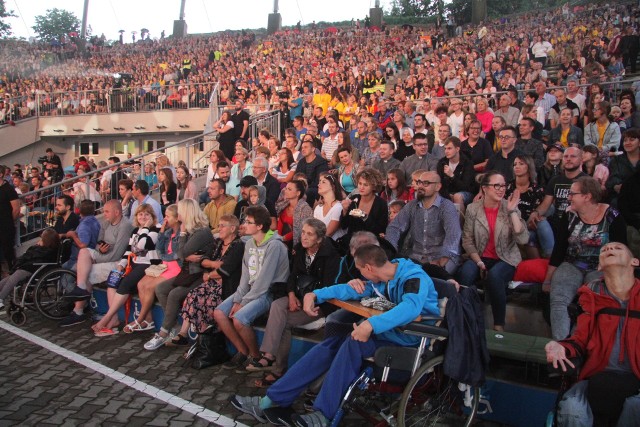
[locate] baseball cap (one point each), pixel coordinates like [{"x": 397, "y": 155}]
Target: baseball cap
[
  {"x": 558, "y": 147},
  {"x": 247, "y": 181}
]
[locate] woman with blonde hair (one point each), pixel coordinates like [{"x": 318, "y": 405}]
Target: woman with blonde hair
[
  {"x": 196, "y": 242},
  {"x": 140, "y": 254}
]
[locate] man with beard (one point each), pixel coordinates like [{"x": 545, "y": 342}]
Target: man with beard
[
  {"x": 557, "y": 191},
  {"x": 67, "y": 220},
  {"x": 432, "y": 223},
  {"x": 240, "y": 119}
]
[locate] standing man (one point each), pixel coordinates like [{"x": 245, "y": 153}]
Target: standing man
[
  {"x": 240, "y": 119},
  {"x": 433, "y": 225},
  {"x": 221, "y": 203},
  {"x": 9, "y": 213},
  {"x": 116, "y": 175},
  {"x": 502, "y": 161},
  {"x": 295, "y": 105},
  {"x": 54, "y": 164}
]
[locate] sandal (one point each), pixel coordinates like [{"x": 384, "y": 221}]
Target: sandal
[
  {"x": 106, "y": 332},
  {"x": 177, "y": 341},
  {"x": 138, "y": 327},
  {"x": 262, "y": 364},
  {"x": 267, "y": 380}
]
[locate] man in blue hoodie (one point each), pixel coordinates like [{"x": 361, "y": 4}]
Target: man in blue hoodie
[{"x": 402, "y": 282}]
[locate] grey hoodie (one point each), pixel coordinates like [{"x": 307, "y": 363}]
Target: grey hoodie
[{"x": 262, "y": 265}]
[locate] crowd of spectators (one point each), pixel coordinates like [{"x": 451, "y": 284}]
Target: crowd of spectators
[{"x": 491, "y": 189}]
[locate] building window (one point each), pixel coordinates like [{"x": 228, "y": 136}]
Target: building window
[
  {"x": 89, "y": 148},
  {"x": 124, "y": 147}
]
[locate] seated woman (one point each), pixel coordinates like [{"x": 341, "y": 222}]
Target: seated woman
[
  {"x": 531, "y": 195},
  {"x": 186, "y": 187},
  {"x": 608, "y": 344},
  {"x": 140, "y": 254},
  {"x": 243, "y": 167},
  {"x": 315, "y": 265},
  {"x": 293, "y": 213},
  {"x": 220, "y": 280},
  {"x": 44, "y": 251},
  {"x": 586, "y": 227},
  {"x": 329, "y": 209},
  {"x": 592, "y": 165},
  {"x": 493, "y": 229},
  {"x": 196, "y": 241},
  {"x": 565, "y": 133},
  {"x": 168, "y": 189},
  {"x": 347, "y": 169},
  {"x": 366, "y": 210},
  {"x": 286, "y": 167},
  {"x": 167, "y": 248}
]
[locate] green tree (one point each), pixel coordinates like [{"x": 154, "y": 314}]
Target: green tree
[
  {"x": 412, "y": 7},
  {"x": 55, "y": 23},
  {"x": 5, "y": 28}
]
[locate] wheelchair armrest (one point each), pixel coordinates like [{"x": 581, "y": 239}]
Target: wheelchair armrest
[{"x": 415, "y": 328}]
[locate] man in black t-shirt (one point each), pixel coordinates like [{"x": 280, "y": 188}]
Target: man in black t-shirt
[
  {"x": 240, "y": 119},
  {"x": 557, "y": 190},
  {"x": 67, "y": 220},
  {"x": 9, "y": 212}
]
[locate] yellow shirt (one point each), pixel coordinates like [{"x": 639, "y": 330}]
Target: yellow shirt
[
  {"x": 601, "y": 130},
  {"x": 322, "y": 100},
  {"x": 563, "y": 137}
]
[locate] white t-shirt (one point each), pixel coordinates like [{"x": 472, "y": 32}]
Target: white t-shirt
[{"x": 334, "y": 214}]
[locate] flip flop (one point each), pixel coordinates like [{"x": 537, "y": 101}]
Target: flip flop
[
  {"x": 264, "y": 382},
  {"x": 106, "y": 332}
]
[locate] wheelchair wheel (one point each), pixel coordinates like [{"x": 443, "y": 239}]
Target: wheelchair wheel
[
  {"x": 19, "y": 317},
  {"x": 430, "y": 398},
  {"x": 49, "y": 290}
]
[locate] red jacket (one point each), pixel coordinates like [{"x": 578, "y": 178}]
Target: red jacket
[{"x": 594, "y": 335}]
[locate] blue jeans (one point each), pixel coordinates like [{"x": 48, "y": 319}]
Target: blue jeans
[
  {"x": 543, "y": 235},
  {"x": 249, "y": 312},
  {"x": 204, "y": 197},
  {"x": 340, "y": 357},
  {"x": 498, "y": 276}
]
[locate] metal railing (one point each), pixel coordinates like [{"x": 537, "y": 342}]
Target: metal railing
[{"x": 38, "y": 206}]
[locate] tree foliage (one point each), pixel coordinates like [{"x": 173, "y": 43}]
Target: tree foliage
[
  {"x": 55, "y": 23},
  {"x": 413, "y": 8},
  {"x": 5, "y": 28}
]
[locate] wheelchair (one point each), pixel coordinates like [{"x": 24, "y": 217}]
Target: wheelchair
[
  {"x": 404, "y": 386},
  {"x": 44, "y": 289}
]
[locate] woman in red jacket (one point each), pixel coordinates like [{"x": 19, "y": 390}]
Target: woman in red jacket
[{"x": 607, "y": 338}]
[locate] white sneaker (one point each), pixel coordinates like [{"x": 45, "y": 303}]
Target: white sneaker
[{"x": 156, "y": 342}]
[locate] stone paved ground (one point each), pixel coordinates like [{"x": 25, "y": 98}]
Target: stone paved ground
[{"x": 38, "y": 387}]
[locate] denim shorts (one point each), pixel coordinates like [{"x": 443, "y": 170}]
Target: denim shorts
[{"x": 249, "y": 312}]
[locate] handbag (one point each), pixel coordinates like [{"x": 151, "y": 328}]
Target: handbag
[
  {"x": 306, "y": 283},
  {"x": 155, "y": 270}
]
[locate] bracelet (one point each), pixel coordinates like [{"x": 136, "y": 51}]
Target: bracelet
[{"x": 513, "y": 211}]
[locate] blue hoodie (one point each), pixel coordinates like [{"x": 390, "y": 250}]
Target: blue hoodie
[{"x": 410, "y": 303}]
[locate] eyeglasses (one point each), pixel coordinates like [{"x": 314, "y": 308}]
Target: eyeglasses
[
  {"x": 421, "y": 183},
  {"x": 502, "y": 138},
  {"x": 246, "y": 221},
  {"x": 497, "y": 187}
]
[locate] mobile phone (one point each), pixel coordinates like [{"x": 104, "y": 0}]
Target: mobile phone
[{"x": 200, "y": 252}]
